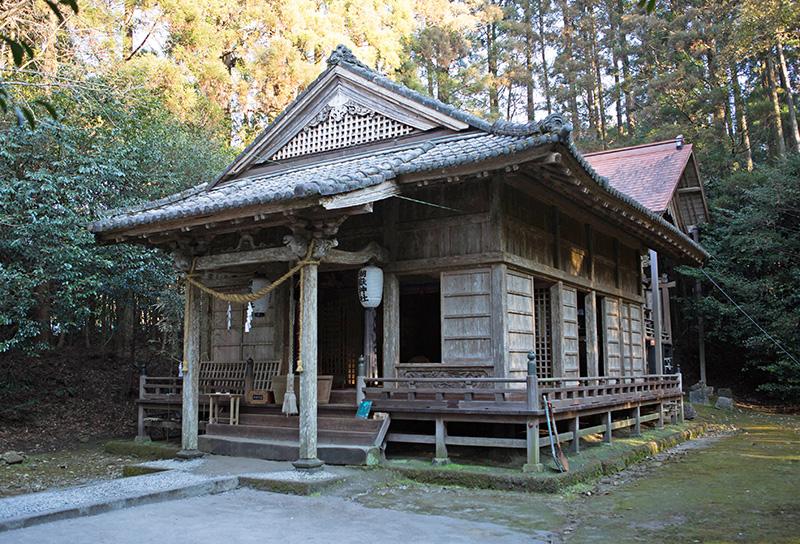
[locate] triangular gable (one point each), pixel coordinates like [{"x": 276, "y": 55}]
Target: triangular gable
[{"x": 343, "y": 107}]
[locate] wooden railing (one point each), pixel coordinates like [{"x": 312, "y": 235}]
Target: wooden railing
[
  {"x": 503, "y": 394},
  {"x": 223, "y": 377}
]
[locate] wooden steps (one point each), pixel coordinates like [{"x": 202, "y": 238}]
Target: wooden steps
[{"x": 265, "y": 433}]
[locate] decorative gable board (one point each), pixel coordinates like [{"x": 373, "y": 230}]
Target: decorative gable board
[
  {"x": 340, "y": 104},
  {"x": 341, "y": 123}
]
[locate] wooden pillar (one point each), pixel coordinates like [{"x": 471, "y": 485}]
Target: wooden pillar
[
  {"x": 370, "y": 348},
  {"x": 592, "y": 350},
  {"x": 607, "y": 433},
  {"x": 701, "y": 335},
  {"x": 308, "y": 379},
  {"x": 574, "y": 427},
  {"x": 360, "y": 383},
  {"x": 533, "y": 463},
  {"x": 391, "y": 324},
  {"x": 441, "y": 447},
  {"x": 191, "y": 376},
  {"x": 637, "y": 421},
  {"x": 499, "y": 288},
  {"x": 660, "y": 423},
  {"x": 656, "y": 308}
]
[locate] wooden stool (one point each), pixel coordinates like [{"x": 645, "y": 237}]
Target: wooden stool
[{"x": 214, "y": 406}]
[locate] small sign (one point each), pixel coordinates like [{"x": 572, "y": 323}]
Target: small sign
[{"x": 364, "y": 409}]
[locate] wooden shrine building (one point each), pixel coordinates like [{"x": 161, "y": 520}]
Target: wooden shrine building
[{"x": 511, "y": 269}]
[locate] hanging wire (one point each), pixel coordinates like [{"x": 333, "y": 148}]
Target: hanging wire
[
  {"x": 401, "y": 197},
  {"x": 753, "y": 321}
]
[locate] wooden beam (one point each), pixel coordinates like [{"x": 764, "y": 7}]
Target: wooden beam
[
  {"x": 370, "y": 252},
  {"x": 359, "y": 197},
  {"x": 391, "y": 324}
]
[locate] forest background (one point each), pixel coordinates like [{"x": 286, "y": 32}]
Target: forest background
[{"x": 120, "y": 101}]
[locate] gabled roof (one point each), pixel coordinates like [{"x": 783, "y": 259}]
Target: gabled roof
[
  {"x": 287, "y": 166},
  {"x": 652, "y": 174}
]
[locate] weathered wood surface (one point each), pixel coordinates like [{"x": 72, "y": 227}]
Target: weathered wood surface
[{"x": 191, "y": 383}]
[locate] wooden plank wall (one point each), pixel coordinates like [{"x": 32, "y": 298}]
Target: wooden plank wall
[
  {"x": 521, "y": 327},
  {"x": 466, "y": 303},
  {"x": 612, "y": 355},
  {"x": 262, "y": 342},
  {"x": 569, "y": 331}
]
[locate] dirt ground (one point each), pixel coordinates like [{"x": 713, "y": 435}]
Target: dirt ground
[{"x": 83, "y": 464}]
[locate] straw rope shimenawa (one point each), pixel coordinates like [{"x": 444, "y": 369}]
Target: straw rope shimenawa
[{"x": 243, "y": 298}]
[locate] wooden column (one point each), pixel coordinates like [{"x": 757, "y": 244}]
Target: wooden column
[
  {"x": 592, "y": 351},
  {"x": 701, "y": 335},
  {"x": 370, "y": 349},
  {"x": 441, "y": 447},
  {"x": 656, "y": 308},
  {"x": 607, "y": 433},
  {"x": 391, "y": 324},
  {"x": 499, "y": 319},
  {"x": 574, "y": 427},
  {"x": 308, "y": 379},
  {"x": 191, "y": 377},
  {"x": 533, "y": 463},
  {"x": 637, "y": 421}
]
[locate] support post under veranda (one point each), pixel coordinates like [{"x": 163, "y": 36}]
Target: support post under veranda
[{"x": 533, "y": 462}]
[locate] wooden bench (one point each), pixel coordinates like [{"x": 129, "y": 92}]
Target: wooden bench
[{"x": 161, "y": 397}]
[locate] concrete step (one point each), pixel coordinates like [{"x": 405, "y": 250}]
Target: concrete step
[
  {"x": 47, "y": 506},
  {"x": 282, "y": 450},
  {"x": 354, "y": 438},
  {"x": 350, "y": 423}
]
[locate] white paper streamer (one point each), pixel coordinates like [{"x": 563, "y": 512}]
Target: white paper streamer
[
  {"x": 249, "y": 319},
  {"x": 229, "y": 316}
]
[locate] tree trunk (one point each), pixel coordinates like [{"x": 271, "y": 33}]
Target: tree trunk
[
  {"x": 598, "y": 81},
  {"x": 572, "y": 91},
  {"x": 794, "y": 133},
  {"x": 741, "y": 116},
  {"x": 779, "y": 150},
  {"x": 491, "y": 61},
  {"x": 42, "y": 312},
  {"x": 630, "y": 116},
  {"x": 545, "y": 69},
  {"x": 613, "y": 29},
  {"x": 530, "y": 105}
]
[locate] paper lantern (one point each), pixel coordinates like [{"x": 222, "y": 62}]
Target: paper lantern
[
  {"x": 370, "y": 286},
  {"x": 260, "y": 305}
]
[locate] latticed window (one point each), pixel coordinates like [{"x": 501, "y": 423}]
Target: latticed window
[
  {"x": 543, "y": 342},
  {"x": 341, "y": 126}
]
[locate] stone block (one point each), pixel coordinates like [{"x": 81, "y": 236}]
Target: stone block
[
  {"x": 724, "y": 403},
  {"x": 725, "y": 392},
  {"x": 698, "y": 396},
  {"x": 13, "y": 457},
  {"x": 688, "y": 411}
]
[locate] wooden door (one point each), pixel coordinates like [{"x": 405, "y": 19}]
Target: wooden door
[
  {"x": 612, "y": 354},
  {"x": 466, "y": 306}
]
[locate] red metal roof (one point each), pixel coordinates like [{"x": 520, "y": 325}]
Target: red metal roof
[{"x": 648, "y": 173}]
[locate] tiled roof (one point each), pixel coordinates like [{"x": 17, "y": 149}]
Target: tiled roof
[
  {"x": 647, "y": 173},
  {"x": 482, "y": 142},
  {"x": 323, "y": 179}
]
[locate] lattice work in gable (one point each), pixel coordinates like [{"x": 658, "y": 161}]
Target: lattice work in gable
[{"x": 341, "y": 126}]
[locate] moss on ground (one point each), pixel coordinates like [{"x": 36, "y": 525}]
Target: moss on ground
[
  {"x": 738, "y": 484},
  {"x": 593, "y": 462},
  {"x": 143, "y": 450}
]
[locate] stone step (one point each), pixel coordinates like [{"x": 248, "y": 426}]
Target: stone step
[{"x": 282, "y": 450}]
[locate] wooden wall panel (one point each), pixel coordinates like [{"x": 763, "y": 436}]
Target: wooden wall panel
[
  {"x": 520, "y": 322},
  {"x": 262, "y": 342},
  {"x": 635, "y": 313},
  {"x": 466, "y": 305},
  {"x": 612, "y": 354},
  {"x": 569, "y": 330}
]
